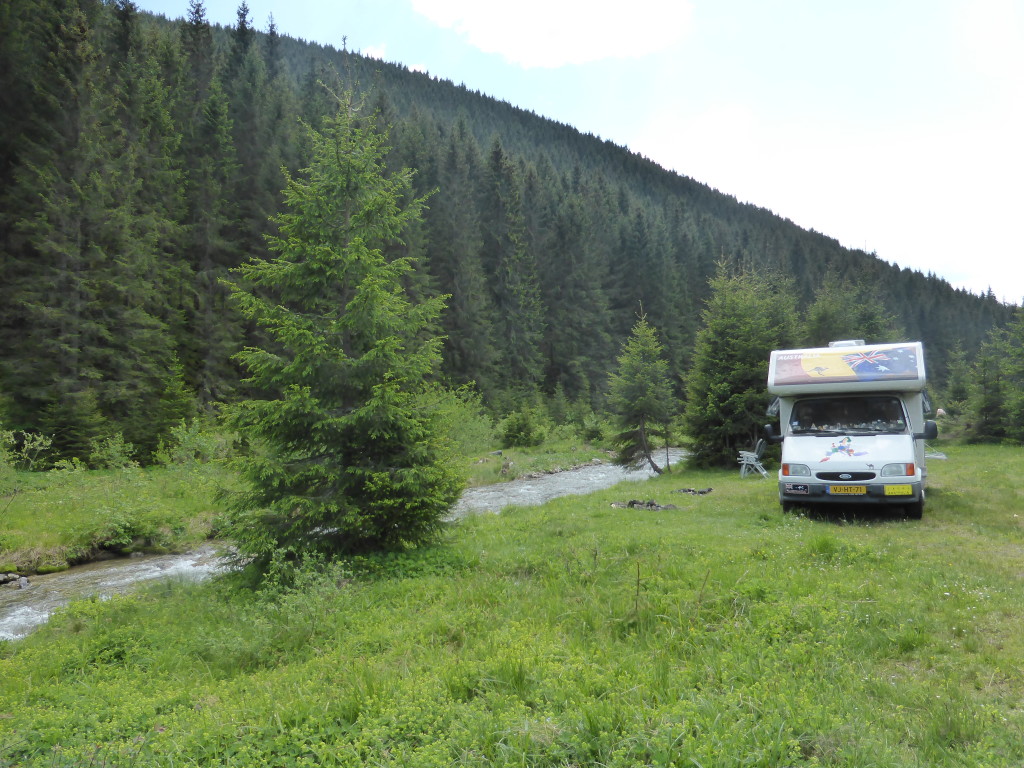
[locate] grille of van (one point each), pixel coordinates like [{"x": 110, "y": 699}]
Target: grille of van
[{"x": 847, "y": 476}]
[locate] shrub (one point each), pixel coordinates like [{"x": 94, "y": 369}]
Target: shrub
[
  {"x": 522, "y": 429},
  {"x": 592, "y": 428},
  {"x": 461, "y": 415},
  {"x": 112, "y": 452},
  {"x": 27, "y": 450},
  {"x": 194, "y": 442}
]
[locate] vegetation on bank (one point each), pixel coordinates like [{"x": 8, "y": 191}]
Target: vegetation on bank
[
  {"x": 69, "y": 514},
  {"x": 59, "y": 519},
  {"x": 721, "y": 632}
]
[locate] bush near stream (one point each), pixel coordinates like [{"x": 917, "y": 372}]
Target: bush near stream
[{"x": 719, "y": 633}]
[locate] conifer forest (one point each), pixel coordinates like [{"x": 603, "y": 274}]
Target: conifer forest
[{"x": 143, "y": 160}]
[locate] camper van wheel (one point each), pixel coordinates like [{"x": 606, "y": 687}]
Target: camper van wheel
[{"x": 916, "y": 510}]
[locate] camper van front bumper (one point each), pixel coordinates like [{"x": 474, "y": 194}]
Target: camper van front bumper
[{"x": 849, "y": 493}]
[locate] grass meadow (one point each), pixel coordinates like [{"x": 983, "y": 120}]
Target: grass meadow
[
  {"x": 49, "y": 520},
  {"x": 719, "y": 633}
]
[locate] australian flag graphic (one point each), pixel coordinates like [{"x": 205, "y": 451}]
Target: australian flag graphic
[{"x": 871, "y": 365}]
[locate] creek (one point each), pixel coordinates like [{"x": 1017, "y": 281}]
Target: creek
[
  {"x": 537, "y": 489},
  {"x": 22, "y": 610}
]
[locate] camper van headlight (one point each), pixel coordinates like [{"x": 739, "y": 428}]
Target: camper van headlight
[
  {"x": 898, "y": 470},
  {"x": 796, "y": 470}
]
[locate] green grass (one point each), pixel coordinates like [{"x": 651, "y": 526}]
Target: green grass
[
  {"x": 53, "y": 518},
  {"x": 552, "y": 456},
  {"x": 721, "y": 633}
]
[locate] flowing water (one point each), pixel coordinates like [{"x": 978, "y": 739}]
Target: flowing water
[
  {"x": 22, "y": 610},
  {"x": 530, "y": 491}
]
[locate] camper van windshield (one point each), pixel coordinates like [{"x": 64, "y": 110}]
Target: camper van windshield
[{"x": 829, "y": 415}]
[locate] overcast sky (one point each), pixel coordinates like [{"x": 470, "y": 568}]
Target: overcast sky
[{"x": 894, "y": 126}]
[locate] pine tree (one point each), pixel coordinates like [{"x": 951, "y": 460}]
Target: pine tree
[
  {"x": 257, "y": 149},
  {"x": 93, "y": 356},
  {"x": 957, "y": 389},
  {"x": 241, "y": 41},
  {"x": 272, "y": 50},
  {"x": 348, "y": 458},
  {"x": 746, "y": 317},
  {"x": 257, "y": 172},
  {"x": 512, "y": 275},
  {"x": 640, "y": 396},
  {"x": 197, "y": 43},
  {"x": 212, "y": 327},
  {"x": 577, "y": 340},
  {"x": 126, "y": 38},
  {"x": 454, "y": 261},
  {"x": 845, "y": 310},
  {"x": 987, "y": 406}
]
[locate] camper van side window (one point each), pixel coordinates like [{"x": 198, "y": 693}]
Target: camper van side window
[{"x": 865, "y": 415}]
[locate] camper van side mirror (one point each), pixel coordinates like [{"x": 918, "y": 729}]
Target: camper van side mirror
[
  {"x": 769, "y": 434},
  {"x": 931, "y": 431}
]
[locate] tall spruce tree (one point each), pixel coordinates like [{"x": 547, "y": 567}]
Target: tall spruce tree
[
  {"x": 257, "y": 173},
  {"x": 454, "y": 260},
  {"x": 987, "y": 405},
  {"x": 577, "y": 340},
  {"x": 640, "y": 396},
  {"x": 93, "y": 356},
  {"x": 746, "y": 317},
  {"x": 845, "y": 310},
  {"x": 512, "y": 275},
  {"x": 272, "y": 49},
  {"x": 996, "y": 402},
  {"x": 212, "y": 330},
  {"x": 197, "y": 43},
  {"x": 348, "y": 458},
  {"x": 212, "y": 327}
]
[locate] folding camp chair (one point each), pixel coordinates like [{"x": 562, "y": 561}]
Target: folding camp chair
[{"x": 750, "y": 461}]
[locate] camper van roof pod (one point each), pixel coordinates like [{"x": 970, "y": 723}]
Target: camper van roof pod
[
  {"x": 848, "y": 367},
  {"x": 847, "y": 343}
]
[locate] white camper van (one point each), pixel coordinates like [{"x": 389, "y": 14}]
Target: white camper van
[{"x": 851, "y": 424}]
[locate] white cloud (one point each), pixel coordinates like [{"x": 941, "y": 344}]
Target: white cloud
[
  {"x": 935, "y": 198},
  {"x": 556, "y": 33},
  {"x": 375, "y": 52},
  {"x": 990, "y": 34}
]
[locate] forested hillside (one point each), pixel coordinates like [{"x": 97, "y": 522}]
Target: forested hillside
[{"x": 141, "y": 159}]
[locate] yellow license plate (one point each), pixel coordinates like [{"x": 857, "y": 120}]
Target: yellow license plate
[
  {"x": 899, "y": 490},
  {"x": 847, "y": 490}
]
